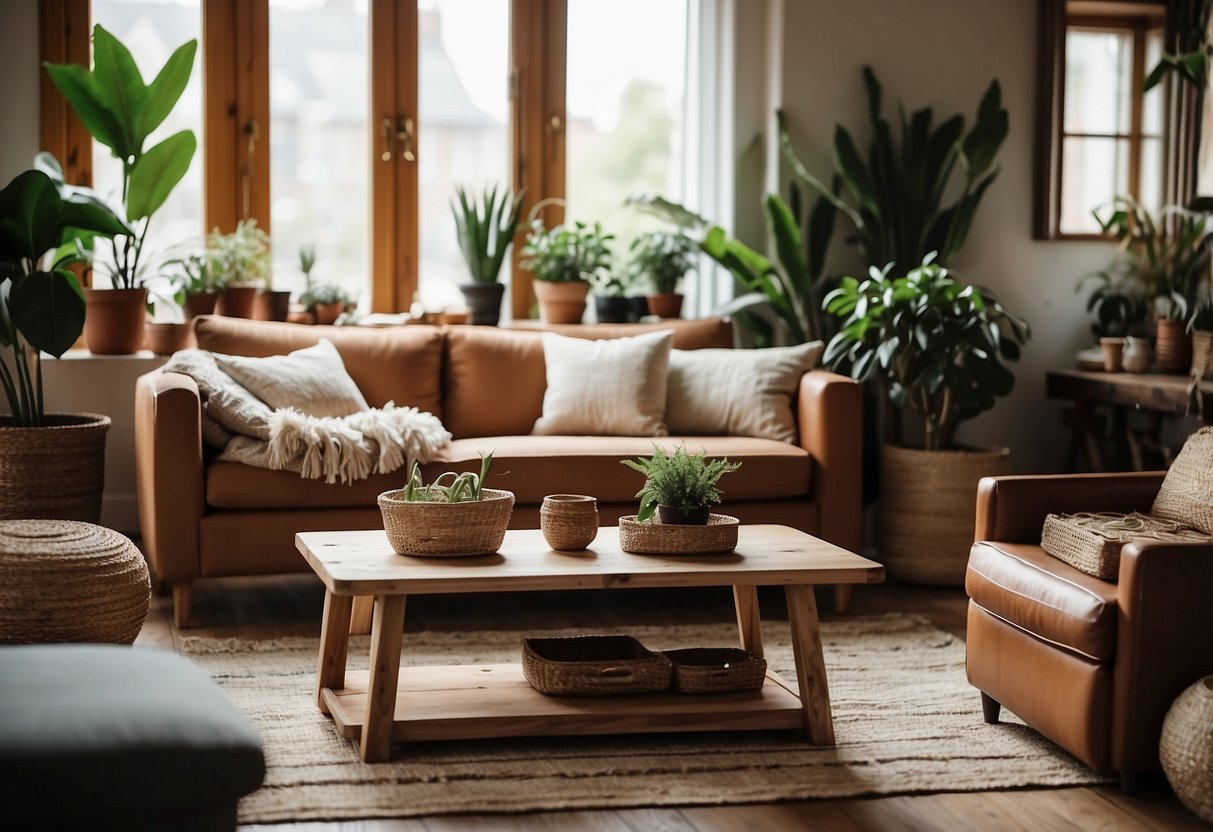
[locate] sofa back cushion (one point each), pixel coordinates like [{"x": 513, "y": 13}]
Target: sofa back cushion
[
  {"x": 494, "y": 379},
  {"x": 398, "y": 364}
]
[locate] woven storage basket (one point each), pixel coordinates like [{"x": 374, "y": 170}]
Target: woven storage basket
[
  {"x": 1186, "y": 747},
  {"x": 1091, "y": 541},
  {"x": 569, "y": 521},
  {"x": 593, "y": 666},
  {"x": 1186, "y": 495},
  {"x": 654, "y": 538},
  {"x": 716, "y": 669},
  {"x": 446, "y": 530},
  {"x": 69, "y": 581},
  {"x": 1202, "y": 354},
  {"x": 56, "y": 471}
]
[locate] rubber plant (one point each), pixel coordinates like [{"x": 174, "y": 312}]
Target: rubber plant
[
  {"x": 44, "y": 226},
  {"x": 121, "y": 111}
]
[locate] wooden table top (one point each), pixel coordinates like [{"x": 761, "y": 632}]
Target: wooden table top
[
  {"x": 362, "y": 563},
  {"x": 1141, "y": 391}
]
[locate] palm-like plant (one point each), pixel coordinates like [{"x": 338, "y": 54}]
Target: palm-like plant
[{"x": 485, "y": 226}]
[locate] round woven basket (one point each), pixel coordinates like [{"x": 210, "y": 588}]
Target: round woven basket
[
  {"x": 1186, "y": 747},
  {"x": 446, "y": 530},
  {"x": 927, "y": 510},
  {"x": 653, "y": 538},
  {"x": 569, "y": 521},
  {"x": 56, "y": 471},
  {"x": 70, "y": 581}
]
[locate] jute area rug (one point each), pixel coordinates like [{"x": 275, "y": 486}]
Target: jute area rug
[{"x": 905, "y": 718}]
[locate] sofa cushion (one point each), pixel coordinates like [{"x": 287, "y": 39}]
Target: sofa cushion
[
  {"x": 532, "y": 467},
  {"x": 1023, "y": 585},
  {"x": 398, "y": 364},
  {"x": 312, "y": 380}
]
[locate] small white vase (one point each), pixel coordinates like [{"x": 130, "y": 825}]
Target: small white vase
[{"x": 1136, "y": 357}]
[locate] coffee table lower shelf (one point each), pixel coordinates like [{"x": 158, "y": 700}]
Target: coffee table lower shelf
[{"x": 483, "y": 701}]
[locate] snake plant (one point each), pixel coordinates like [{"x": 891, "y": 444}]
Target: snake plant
[{"x": 448, "y": 487}]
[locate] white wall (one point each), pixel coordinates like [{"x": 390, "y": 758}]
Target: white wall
[
  {"x": 19, "y": 125},
  {"x": 943, "y": 53}
]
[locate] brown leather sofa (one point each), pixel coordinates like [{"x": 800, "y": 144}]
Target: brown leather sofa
[
  {"x": 204, "y": 518},
  {"x": 1093, "y": 665}
]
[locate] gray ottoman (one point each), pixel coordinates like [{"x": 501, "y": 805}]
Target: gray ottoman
[{"x": 106, "y": 737}]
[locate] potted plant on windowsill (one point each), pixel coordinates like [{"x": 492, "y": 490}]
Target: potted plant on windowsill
[
  {"x": 610, "y": 298},
  {"x": 241, "y": 264},
  {"x": 564, "y": 260},
  {"x": 326, "y": 302},
  {"x": 936, "y": 349},
  {"x": 121, "y": 111},
  {"x": 485, "y": 227},
  {"x": 663, "y": 259},
  {"x": 53, "y": 463},
  {"x": 679, "y": 488}
]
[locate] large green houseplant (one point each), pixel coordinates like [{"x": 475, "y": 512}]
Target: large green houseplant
[
  {"x": 937, "y": 350},
  {"x": 485, "y": 226},
  {"x": 121, "y": 111}
]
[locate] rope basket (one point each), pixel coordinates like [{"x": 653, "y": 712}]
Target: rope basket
[
  {"x": 70, "y": 581},
  {"x": 926, "y": 515},
  {"x": 1186, "y": 747},
  {"x": 1091, "y": 541},
  {"x": 593, "y": 666},
  {"x": 1202, "y": 354},
  {"x": 446, "y": 530},
  {"x": 655, "y": 538},
  {"x": 1186, "y": 495},
  {"x": 716, "y": 669},
  {"x": 56, "y": 471},
  {"x": 569, "y": 521}
]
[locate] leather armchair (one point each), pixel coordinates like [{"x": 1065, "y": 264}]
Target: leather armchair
[{"x": 1091, "y": 664}]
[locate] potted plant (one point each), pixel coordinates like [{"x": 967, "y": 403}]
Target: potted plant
[
  {"x": 1119, "y": 309},
  {"x": 326, "y": 302},
  {"x": 53, "y": 463},
  {"x": 936, "y": 349},
  {"x": 121, "y": 111},
  {"x": 610, "y": 298},
  {"x": 680, "y": 488},
  {"x": 485, "y": 227},
  {"x": 663, "y": 259},
  {"x": 564, "y": 260},
  {"x": 241, "y": 264}
]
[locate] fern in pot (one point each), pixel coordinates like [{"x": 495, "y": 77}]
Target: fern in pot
[{"x": 679, "y": 488}]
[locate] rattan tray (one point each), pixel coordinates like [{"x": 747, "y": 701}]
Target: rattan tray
[
  {"x": 1091, "y": 541},
  {"x": 716, "y": 669},
  {"x": 719, "y": 535},
  {"x": 593, "y": 666}
]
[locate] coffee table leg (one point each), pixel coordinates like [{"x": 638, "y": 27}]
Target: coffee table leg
[
  {"x": 749, "y": 621},
  {"x": 387, "y": 630},
  {"x": 334, "y": 644},
  {"x": 360, "y": 623},
  {"x": 810, "y": 666}
]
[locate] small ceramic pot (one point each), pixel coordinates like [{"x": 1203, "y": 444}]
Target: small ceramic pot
[
  {"x": 674, "y": 516},
  {"x": 237, "y": 302},
  {"x": 484, "y": 302},
  {"x": 166, "y": 339},
  {"x": 1172, "y": 347},
  {"x": 569, "y": 521},
  {"x": 561, "y": 302},
  {"x": 272, "y": 305},
  {"x": 114, "y": 320},
  {"x": 327, "y": 313},
  {"x": 611, "y": 310},
  {"x": 1113, "y": 352},
  {"x": 665, "y": 305},
  {"x": 1137, "y": 355},
  {"x": 200, "y": 304}
]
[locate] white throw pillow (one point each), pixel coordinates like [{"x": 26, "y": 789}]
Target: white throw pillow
[
  {"x": 312, "y": 380},
  {"x": 614, "y": 387},
  {"x": 737, "y": 392}
]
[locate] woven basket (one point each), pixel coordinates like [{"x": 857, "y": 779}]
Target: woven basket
[
  {"x": 1202, "y": 354},
  {"x": 654, "y": 538},
  {"x": 1091, "y": 541},
  {"x": 569, "y": 521},
  {"x": 56, "y": 471},
  {"x": 446, "y": 530},
  {"x": 70, "y": 581},
  {"x": 593, "y": 666},
  {"x": 1186, "y": 495},
  {"x": 1186, "y": 747},
  {"x": 716, "y": 669}
]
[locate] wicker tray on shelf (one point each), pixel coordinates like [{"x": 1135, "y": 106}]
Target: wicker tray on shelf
[
  {"x": 654, "y": 538},
  {"x": 716, "y": 669},
  {"x": 593, "y": 666}
]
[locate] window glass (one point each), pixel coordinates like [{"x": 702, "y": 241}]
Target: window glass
[
  {"x": 1098, "y": 93},
  {"x": 1094, "y": 170}
]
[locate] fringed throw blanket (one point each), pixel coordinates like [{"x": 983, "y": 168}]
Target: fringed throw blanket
[{"x": 339, "y": 449}]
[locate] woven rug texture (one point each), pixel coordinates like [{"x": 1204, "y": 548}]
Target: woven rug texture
[{"x": 905, "y": 718}]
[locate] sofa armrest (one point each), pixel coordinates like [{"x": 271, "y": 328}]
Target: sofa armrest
[
  {"x": 1165, "y": 601},
  {"x": 169, "y": 476},
  {"x": 830, "y": 421},
  {"x": 1013, "y": 509}
]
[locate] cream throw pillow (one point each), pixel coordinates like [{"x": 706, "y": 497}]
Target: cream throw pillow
[
  {"x": 613, "y": 387},
  {"x": 737, "y": 392},
  {"x": 312, "y": 380}
]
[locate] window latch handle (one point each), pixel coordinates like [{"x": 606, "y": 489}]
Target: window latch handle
[
  {"x": 404, "y": 135},
  {"x": 385, "y": 129}
]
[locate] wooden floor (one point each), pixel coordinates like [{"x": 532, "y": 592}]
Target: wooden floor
[{"x": 262, "y": 608}]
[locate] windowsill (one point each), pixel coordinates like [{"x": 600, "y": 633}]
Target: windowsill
[{"x": 82, "y": 354}]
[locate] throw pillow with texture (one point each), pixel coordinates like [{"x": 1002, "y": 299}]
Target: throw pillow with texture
[
  {"x": 614, "y": 387},
  {"x": 312, "y": 380},
  {"x": 1186, "y": 495},
  {"x": 737, "y": 392}
]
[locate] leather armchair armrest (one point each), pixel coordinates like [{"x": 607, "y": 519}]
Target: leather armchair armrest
[
  {"x": 1013, "y": 509},
  {"x": 1165, "y": 601},
  {"x": 830, "y": 422},
  {"x": 169, "y": 476}
]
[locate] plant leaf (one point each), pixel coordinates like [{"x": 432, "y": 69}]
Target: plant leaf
[
  {"x": 121, "y": 87},
  {"x": 90, "y": 105},
  {"x": 48, "y": 309},
  {"x": 156, "y": 174},
  {"x": 164, "y": 92}
]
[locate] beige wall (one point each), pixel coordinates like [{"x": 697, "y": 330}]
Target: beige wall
[{"x": 19, "y": 128}]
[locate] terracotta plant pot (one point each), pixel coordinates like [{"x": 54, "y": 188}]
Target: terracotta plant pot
[
  {"x": 674, "y": 516},
  {"x": 665, "y": 305},
  {"x": 611, "y": 310},
  {"x": 1172, "y": 347},
  {"x": 203, "y": 304},
  {"x": 56, "y": 471},
  {"x": 166, "y": 339},
  {"x": 1113, "y": 350},
  {"x": 113, "y": 320},
  {"x": 272, "y": 305},
  {"x": 327, "y": 313},
  {"x": 561, "y": 302},
  {"x": 237, "y": 302}
]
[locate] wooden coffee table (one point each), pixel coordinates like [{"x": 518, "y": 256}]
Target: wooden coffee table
[{"x": 383, "y": 706}]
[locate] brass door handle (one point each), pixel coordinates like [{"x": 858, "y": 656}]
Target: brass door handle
[
  {"x": 404, "y": 135},
  {"x": 385, "y": 129}
]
